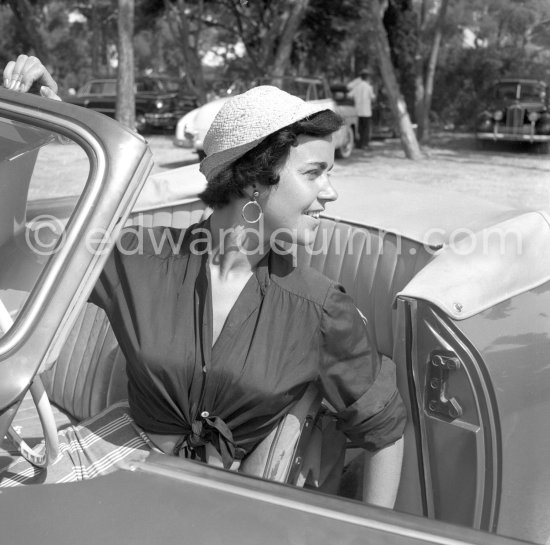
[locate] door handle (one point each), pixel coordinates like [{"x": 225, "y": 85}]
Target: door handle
[{"x": 439, "y": 401}]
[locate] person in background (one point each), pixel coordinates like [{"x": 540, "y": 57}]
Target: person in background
[{"x": 363, "y": 95}]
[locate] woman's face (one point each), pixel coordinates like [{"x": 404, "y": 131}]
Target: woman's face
[{"x": 292, "y": 207}]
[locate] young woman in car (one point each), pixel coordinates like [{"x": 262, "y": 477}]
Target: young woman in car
[{"x": 223, "y": 333}]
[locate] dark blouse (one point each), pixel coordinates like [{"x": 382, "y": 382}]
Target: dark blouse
[{"x": 289, "y": 327}]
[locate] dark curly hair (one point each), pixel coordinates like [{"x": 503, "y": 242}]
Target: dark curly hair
[{"x": 261, "y": 164}]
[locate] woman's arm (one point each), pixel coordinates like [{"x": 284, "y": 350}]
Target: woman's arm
[{"x": 382, "y": 475}]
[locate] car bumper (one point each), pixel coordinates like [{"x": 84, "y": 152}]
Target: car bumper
[
  {"x": 183, "y": 143},
  {"x": 508, "y": 137},
  {"x": 161, "y": 120}
]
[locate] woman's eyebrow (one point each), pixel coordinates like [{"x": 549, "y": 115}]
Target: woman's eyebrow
[{"x": 318, "y": 164}]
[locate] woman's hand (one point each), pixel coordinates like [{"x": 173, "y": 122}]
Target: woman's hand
[{"x": 20, "y": 75}]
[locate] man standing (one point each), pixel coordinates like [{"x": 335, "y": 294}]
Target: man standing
[{"x": 363, "y": 95}]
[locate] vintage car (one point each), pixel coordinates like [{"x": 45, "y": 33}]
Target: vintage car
[
  {"x": 160, "y": 100},
  {"x": 192, "y": 127},
  {"x": 455, "y": 290},
  {"x": 518, "y": 111}
]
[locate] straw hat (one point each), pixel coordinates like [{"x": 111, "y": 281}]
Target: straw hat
[{"x": 246, "y": 119}]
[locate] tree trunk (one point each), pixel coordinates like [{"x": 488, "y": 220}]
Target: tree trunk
[
  {"x": 179, "y": 26},
  {"x": 419, "y": 77},
  {"x": 30, "y": 21},
  {"x": 397, "y": 102},
  {"x": 97, "y": 41},
  {"x": 126, "y": 97},
  {"x": 284, "y": 49},
  {"x": 430, "y": 73}
]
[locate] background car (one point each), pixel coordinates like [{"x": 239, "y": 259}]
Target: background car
[
  {"x": 517, "y": 112},
  {"x": 456, "y": 293},
  {"x": 192, "y": 128},
  {"x": 160, "y": 101}
]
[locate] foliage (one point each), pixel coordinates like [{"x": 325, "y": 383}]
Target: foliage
[{"x": 482, "y": 40}]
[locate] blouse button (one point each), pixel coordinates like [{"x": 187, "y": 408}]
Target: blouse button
[{"x": 205, "y": 414}]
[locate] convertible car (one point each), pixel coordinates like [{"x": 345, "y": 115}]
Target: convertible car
[{"x": 456, "y": 292}]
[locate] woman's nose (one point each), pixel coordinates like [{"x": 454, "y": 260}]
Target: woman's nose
[{"x": 328, "y": 193}]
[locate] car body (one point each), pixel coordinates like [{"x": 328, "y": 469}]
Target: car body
[
  {"x": 160, "y": 100},
  {"x": 456, "y": 292},
  {"x": 517, "y": 112},
  {"x": 192, "y": 128}
]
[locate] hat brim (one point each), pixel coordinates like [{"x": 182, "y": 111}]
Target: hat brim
[{"x": 218, "y": 161}]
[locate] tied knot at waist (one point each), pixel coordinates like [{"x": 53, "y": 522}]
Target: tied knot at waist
[{"x": 204, "y": 430}]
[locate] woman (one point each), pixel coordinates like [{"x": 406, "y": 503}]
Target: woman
[{"x": 223, "y": 333}]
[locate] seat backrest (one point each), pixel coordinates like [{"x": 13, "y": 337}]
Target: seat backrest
[{"x": 372, "y": 265}]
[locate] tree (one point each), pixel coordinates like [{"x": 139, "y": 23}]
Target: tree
[
  {"x": 29, "y": 17},
  {"x": 126, "y": 100},
  {"x": 292, "y": 20},
  {"x": 186, "y": 26},
  {"x": 396, "y": 100},
  {"x": 423, "y": 120},
  {"x": 401, "y": 24}
]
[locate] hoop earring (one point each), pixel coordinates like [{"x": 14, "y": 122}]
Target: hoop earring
[{"x": 256, "y": 205}]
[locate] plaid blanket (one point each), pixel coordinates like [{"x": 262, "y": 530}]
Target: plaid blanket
[{"x": 100, "y": 445}]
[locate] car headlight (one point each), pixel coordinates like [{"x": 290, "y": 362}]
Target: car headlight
[
  {"x": 159, "y": 104},
  {"x": 533, "y": 116},
  {"x": 498, "y": 115}
]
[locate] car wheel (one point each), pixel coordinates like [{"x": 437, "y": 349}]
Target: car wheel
[
  {"x": 344, "y": 151},
  {"x": 141, "y": 122}
]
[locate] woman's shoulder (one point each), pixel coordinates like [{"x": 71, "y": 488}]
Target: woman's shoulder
[
  {"x": 302, "y": 280},
  {"x": 160, "y": 241}
]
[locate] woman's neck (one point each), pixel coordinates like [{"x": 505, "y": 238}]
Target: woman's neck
[{"x": 236, "y": 247}]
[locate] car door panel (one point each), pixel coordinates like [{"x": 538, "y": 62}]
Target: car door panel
[{"x": 457, "y": 422}]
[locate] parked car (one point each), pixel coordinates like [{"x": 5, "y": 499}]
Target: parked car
[
  {"x": 192, "y": 128},
  {"x": 518, "y": 111},
  {"x": 160, "y": 100},
  {"x": 456, "y": 291}
]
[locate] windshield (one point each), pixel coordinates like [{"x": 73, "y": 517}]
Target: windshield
[{"x": 521, "y": 91}]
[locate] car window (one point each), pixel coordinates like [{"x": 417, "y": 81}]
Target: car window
[
  {"x": 37, "y": 196},
  {"x": 520, "y": 91},
  {"x": 508, "y": 91},
  {"x": 532, "y": 91},
  {"x": 170, "y": 85},
  {"x": 147, "y": 86},
  {"x": 103, "y": 88},
  {"x": 321, "y": 93}
]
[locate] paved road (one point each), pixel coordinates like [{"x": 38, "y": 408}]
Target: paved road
[{"x": 511, "y": 175}]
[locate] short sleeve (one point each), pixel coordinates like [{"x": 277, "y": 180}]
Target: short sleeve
[{"x": 354, "y": 378}]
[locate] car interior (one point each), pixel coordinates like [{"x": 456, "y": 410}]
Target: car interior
[{"x": 86, "y": 371}]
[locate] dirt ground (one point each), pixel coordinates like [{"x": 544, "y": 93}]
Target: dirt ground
[{"x": 510, "y": 174}]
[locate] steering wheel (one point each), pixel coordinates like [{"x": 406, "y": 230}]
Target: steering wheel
[{"x": 44, "y": 456}]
